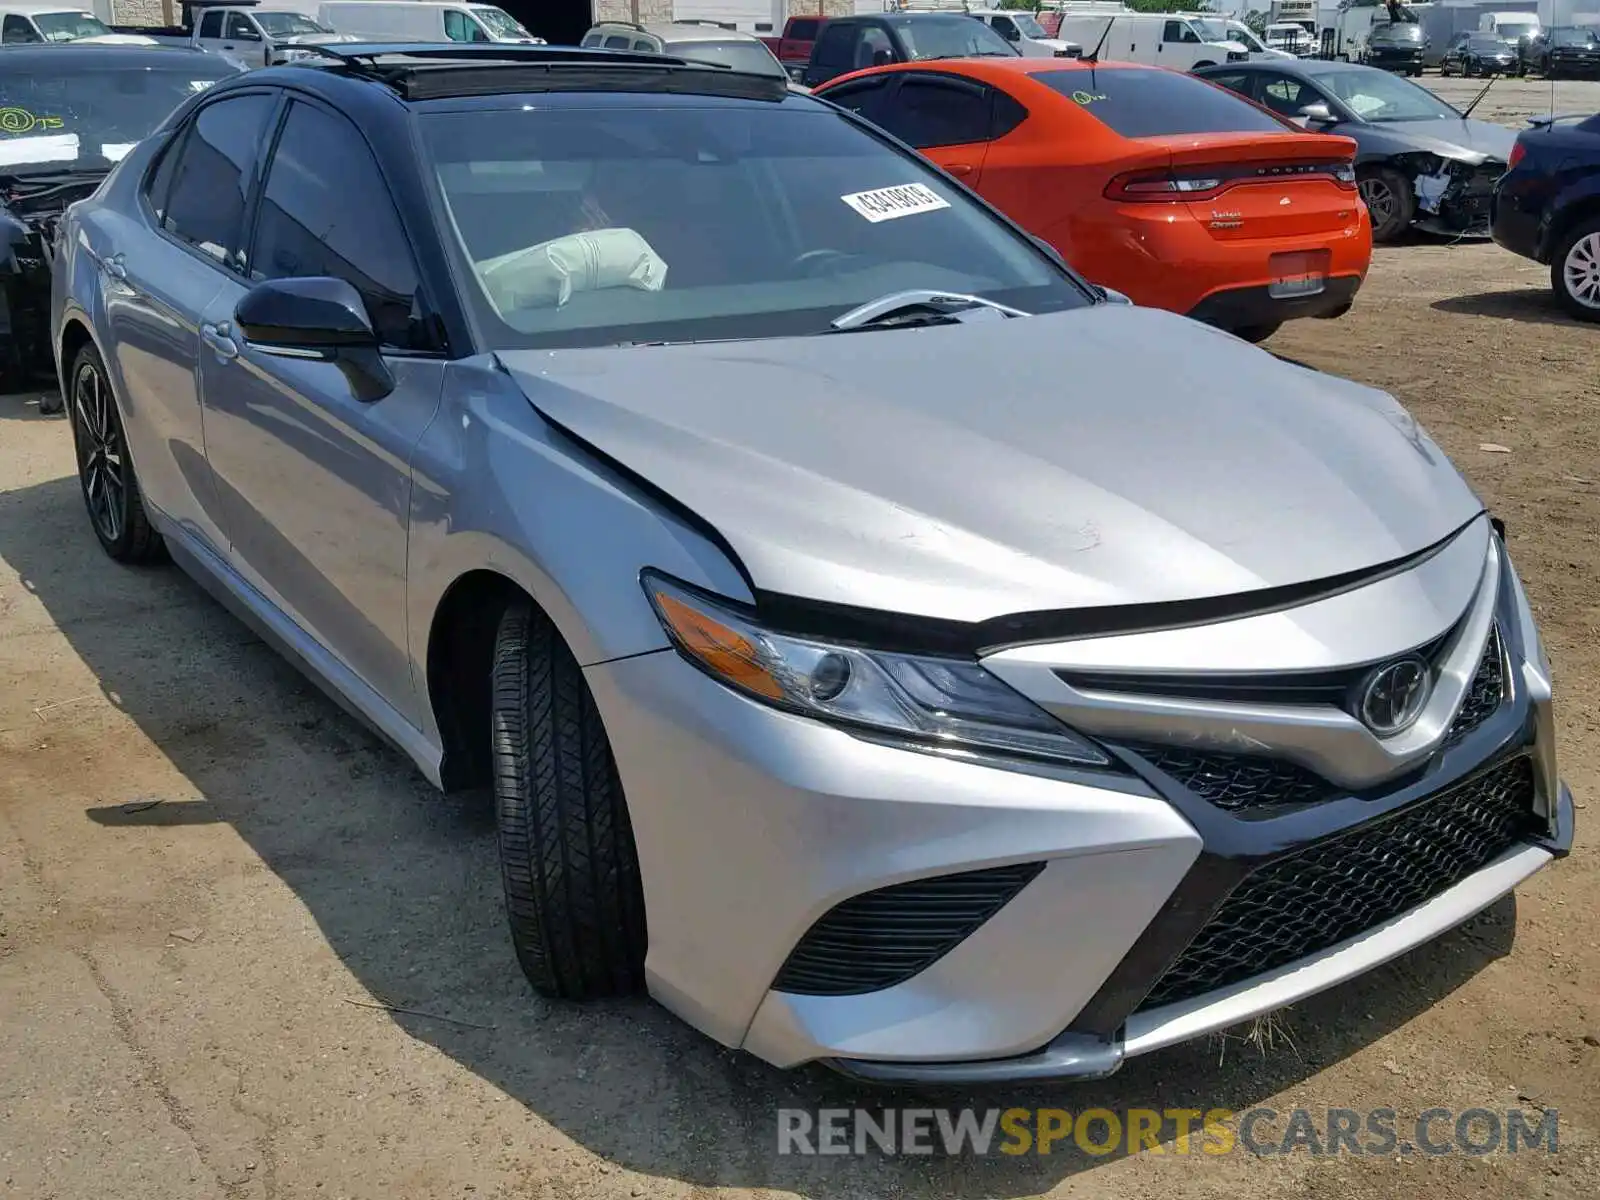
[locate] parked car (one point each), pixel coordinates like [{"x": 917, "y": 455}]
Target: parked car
[
  {"x": 73, "y": 111},
  {"x": 629, "y": 445},
  {"x": 1172, "y": 191},
  {"x": 1547, "y": 207},
  {"x": 848, "y": 44},
  {"x": 1565, "y": 52},
  {"x": 793, "y": 48},
  {"x": 424, "y": 21},
  {"x": 1472, "y": 53},
  {"x": 1419, "y": 161},
  {"x": 697, "y": 41},
  {"x": 30, "y": 24},
  {"x": 1396, "y": 46},
  {"x": 242, "y": 31},
  {"x": 1024, "y": 32}
]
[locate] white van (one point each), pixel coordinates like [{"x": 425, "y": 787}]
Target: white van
[
  {"x": 423, "y": 21},
  {"x": 1513, "y": 27},
  {"x": 1024, "y": 32},
  {"x": 1155, "y": 39}
]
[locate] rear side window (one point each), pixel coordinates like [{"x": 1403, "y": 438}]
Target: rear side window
[
  {"x": 933, "y": 112},
  {"x": 802, "y": 31},
  {"x": 213, "y": 175},
  {"x": 1152, "y": 103}
]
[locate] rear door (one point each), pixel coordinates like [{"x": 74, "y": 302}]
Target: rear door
[{"x": 946, "y": 117}]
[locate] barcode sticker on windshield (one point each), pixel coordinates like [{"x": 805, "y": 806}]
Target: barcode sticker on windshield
[{"x": 885, "y": 204}]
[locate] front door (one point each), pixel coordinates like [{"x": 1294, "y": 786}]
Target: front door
[{"x": 316, "y": 481}]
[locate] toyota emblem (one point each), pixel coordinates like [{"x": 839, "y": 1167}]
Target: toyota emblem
[{"x": 1395, "y": 694}]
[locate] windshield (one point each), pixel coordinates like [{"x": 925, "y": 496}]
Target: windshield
[
  {"x": 1512, "y": 30},
  {"x": 950, "y": 37},
  {"x": 69, "y": 26},
  {"x": 83, "y": 118},
  {"x": 1403, "y": 32},
  {"x": 500, "y": 23},
  {"x": 1574, "y": 37},
  {"x": 1488, "y": 43},
  {"x": 284, "y": 24},
  {"x": 1239, "y": 32},
  {"x": 693, "y": 221},
  {"x": 750, "y": 57},
  {"x": 1027, "y": 26},
  {"x": 1375, "y": 95}
]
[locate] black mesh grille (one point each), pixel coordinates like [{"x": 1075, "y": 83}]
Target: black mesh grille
[
  {"x": 1321, "y": 896},
  {"x": 1253, "y": 785},
  {"x": 1238, "y": 782},
  {"x": 882, "y": 938},
  {"x": 1487, "y": 692}
]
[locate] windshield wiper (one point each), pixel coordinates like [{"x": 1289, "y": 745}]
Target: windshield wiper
[{"x": 921, "y": 306}]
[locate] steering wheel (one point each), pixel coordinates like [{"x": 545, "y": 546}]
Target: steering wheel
[{"x": 812, "y": 262}]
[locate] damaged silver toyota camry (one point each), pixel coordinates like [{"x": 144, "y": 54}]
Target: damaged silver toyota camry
[{"x": 883, "y": 647}]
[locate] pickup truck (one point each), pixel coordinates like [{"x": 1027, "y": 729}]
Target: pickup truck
[
  {"x": 244, "y": 31},
  {"x": 794, "y": 47}
]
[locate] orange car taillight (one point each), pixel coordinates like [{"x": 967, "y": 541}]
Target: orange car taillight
[{"x": 1202, "y": 183}]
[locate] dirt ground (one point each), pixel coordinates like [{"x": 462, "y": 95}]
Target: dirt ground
[{"x": 209, "y": 876}]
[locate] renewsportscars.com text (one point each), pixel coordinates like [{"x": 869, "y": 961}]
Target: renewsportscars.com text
[{"x": 1376, "y": 1132}]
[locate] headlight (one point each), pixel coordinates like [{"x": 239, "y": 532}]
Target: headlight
[{"x": 948, "y": 702}]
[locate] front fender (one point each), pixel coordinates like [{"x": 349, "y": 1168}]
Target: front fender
[{"x": 498, "y": 488}]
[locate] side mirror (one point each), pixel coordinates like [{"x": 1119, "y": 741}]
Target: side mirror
[
  {"x": 1318, "y": 114},
  {"x": 1013, "y": 35},
  {"x": 882, "y": 58},
  {"x": 1109, "y": 295},
  {"x": 318, "y": 318}
]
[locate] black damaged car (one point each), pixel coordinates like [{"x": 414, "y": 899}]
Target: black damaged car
[{"x": 68, "y": 114}]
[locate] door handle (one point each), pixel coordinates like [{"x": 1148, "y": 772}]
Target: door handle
[
  {"x": 959, "y": 169},
  {"x": 220, "y": 339}
]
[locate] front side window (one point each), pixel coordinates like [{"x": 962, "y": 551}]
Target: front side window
[
  {"x": 1179, "y": 31},
  {"x": 326, "y": 211},
  {"x": 69, "y": 26},
  {"x": 1286, "y": 96},
  {"x": 1144, "y": 102},
  {"x": 211, "y": 24},
  {"x": 238, "y": 28},
  {"x": 214, "y": 173},
  {"x": 581, "y": 226},
  {"x": 455, "y": 26},
  {"x": 89, "y": 115}
]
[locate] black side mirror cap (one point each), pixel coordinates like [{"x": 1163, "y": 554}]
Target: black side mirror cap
[{"x": 308, "y": 313}]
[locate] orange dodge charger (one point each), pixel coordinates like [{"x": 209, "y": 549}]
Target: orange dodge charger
[{"x": 1159, "y": 185}]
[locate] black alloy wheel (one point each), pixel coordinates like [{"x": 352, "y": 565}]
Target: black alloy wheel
[{"x": 105, "y": 472}]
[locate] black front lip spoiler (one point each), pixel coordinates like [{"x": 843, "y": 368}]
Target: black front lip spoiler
[{"x": 1074, "y": 1057}]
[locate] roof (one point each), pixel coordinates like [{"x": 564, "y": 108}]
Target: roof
[
  {"x": 691, "y": 31},
  {"x": 51, "y": 55}
]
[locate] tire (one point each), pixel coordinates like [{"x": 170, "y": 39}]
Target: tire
[
  {"x": 1577, "y": 259},
  {"x": 1391, "y": 217},
  {"x": 1258, "y": 333},
  {"x": 568, "y": 863},
  {"x": 105, "y": 468}
]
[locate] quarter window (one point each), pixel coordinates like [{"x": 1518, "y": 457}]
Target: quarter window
[
  {"x": 17, "y": 31},
  {"x": 213, "y": 175},
  {"x": 326, "y": 210}
]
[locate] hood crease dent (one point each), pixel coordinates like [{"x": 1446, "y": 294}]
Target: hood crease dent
[{"x": 1102, "y": 457}]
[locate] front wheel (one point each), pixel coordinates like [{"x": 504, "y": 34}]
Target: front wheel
[
  {"x": 1389, "y": 201},
  {"x": 105, "y": 469},
  {"x": 1575, "y": 271},
  {"x": 567, "y": 859}
]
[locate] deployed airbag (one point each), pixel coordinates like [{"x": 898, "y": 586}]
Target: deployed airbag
[{"x": 548, "y": 274}]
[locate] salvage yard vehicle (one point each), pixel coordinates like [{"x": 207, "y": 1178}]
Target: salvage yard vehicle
[
  {"x": 694, "y": 41},
  {"x": 1565, "y": 52},
  {"x": 1479, "y": 54},
  {"x": 620, "y": 433},
  {"x": 1419, "y": 161},
  {"x": 243, "y": 31},
  {"x": 848, "y": 44},
  {"x": 1547, "y": 207},
  {"x": 29, "y": 24},
  {"x": 71, "y": 113},
  {"x": 1172, "y": 191},
  {"x": 1396, "y": 46},
  {"x": 424, "y": 21}
]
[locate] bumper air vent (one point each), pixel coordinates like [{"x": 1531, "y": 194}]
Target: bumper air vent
[{"x": 881, "y": 938}]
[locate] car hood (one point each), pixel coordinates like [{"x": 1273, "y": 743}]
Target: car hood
[
  {"x": 1106, "y": 456},
  {"x": 1469, "y": 139}
]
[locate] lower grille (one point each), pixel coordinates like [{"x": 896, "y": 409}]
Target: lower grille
[
  {"x": 878, "y": 939},
  {"x": 1317, "y": 898}
]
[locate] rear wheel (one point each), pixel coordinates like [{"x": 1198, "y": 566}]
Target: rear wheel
[
  {"x": 1258, "y": 333},
  {"x": 1389, "y": 201},
  {"x": 105, "y": 470},
  {"x": 1575, "y": 271},
  {"x": 567, "y": 858}
]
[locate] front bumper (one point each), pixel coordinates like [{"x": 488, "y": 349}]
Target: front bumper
[
  {"x": 1395, "y": 60},
  {"x": 754, "y": 825}
]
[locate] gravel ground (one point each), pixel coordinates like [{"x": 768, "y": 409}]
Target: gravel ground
[{"x": 209, "y": 876}]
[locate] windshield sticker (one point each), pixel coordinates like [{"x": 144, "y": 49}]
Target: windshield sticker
[
  {"x": 904, "y": 200},
  {"x": 1087, "y": 98},
  {"x": 116, "y": 151},
  {"x": 58, "y": 147},
  {"x": 17, "y": 121}
]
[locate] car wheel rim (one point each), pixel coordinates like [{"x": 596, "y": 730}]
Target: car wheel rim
[
  {"x": 1581, "y": 270},
  {"x": 1375, "y": 194},
  {"x": 100, "y": 452}
]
